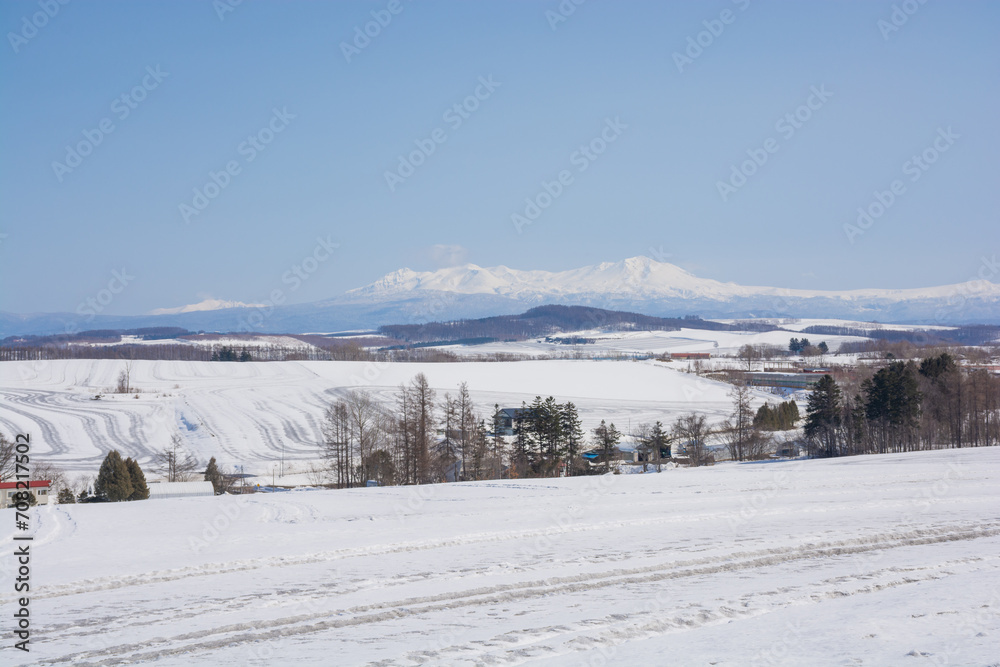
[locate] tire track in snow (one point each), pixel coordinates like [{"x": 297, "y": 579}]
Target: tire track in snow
[
  {"x": 111, "y": 583},
  {"x": 264, "y": 630}
]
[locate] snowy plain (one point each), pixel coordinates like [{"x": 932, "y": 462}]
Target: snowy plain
[{"x": 875, "y": 560}]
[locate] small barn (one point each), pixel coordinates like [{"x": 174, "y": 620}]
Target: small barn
[{"x": 180, "y": 489}]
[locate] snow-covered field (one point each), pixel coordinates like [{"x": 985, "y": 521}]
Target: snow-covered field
[
  {"x": 649, "y": 342},
  {"x": 887, "y": 560},
  {"x": 253, "y": 414}
]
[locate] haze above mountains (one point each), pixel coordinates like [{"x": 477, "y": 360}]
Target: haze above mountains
[{"x": 638, "y": 284}]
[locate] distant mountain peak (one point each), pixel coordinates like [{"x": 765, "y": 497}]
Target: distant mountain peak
[
  {"x": 206, "y": 304},
  {"x": 640, "y": 275}
]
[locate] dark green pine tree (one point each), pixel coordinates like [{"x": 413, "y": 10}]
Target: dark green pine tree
[
  {"x": 934, "y": 368},
  {"x": 607, "y": 437},
  {"x": 657, "y": 444},
  {"x": 572, "y": 435},
  {"x": 765, "y": 418},
  {"x": 113, "y": 480},
  {"x": 139, "y": 489},
  {"x": 790, "y": 410},
  {"x": 892, "y": 405},
  {"x": 66, "y": 497},
  {"x": 213, "y": 475},
  {"x": 823, "y": 415}
]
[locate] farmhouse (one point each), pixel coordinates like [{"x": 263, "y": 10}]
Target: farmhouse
[
  {"x": 507, "y": 418},
  {"x": 40, "y": 489}
]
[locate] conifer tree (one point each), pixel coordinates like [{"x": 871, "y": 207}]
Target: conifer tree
[
  {"x": 607, "y": 437},
  {"x": 823, "y": 416},
  {"x": 572, "y": 434},
  {"x": 213, "y": 475},
  {"x": 113, "y": 479},
  {"x": 139, "y": 489}
]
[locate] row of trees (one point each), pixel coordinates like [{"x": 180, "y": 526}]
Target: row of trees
[
  {"x": 422, "y": 439},
  {"x": 364, "y": 440},
  {"x": 805, "y": 348},
  {"x": 227, "y": 353},
  {"x": 781, "y": 417},
  {"x": 547, "y": 435},
  {"x": 905, "y": 406},
  {"x": 750, "y": 353}
]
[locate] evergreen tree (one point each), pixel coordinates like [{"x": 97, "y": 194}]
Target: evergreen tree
[
  {"x": 552, "y": 440},
  {"x": 498, "y": 441},
  {"x": 607, "y": 437},
  {"x": 765, "y": 418},
  {"x": 66, "y": 497},
  {"x": 934, "y": 367},
  {"x": 520, "y": 451},
  {"x": 113, "y": 480},
  {"x": 823, "y": 347},
  {"x": 892, "y": 406},
  {"x": 245, "y": 355},
  {"x": 791, "y": 414},
  {"x": 139, "y": 489},
  {"x": 213, "y": 475},
  {"x": 823, "y": 416},
  {"x": 572, "y": 435},
  {"x": 653, "y": 443}
]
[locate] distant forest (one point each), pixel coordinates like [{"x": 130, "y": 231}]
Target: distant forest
[
  {"x": 420, "y": 342},
  {"x": 548, "y": 320}
]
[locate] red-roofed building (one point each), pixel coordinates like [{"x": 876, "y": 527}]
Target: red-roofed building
[{"x": 40, "y": 488}]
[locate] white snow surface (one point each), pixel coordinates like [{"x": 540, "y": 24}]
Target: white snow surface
[
  {"x": 877, "y": 560},
  {"x": 256, "y": 413}
]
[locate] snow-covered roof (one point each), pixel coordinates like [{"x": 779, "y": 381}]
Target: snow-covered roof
[{"x": 180, "y": 489}]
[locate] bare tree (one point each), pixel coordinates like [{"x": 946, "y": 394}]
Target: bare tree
[
  {"x": 41, "y": 470},
  {"x": 125, "y": 379},
  {"x": 417, "y": 428},
  {"x": 317, "y": 473},
  {"x": 337, "y": 444},
  {"x": 7, "y": 459},
  {"x": 174, "y": 462},
  {"x": 749, "y": 354},
  {"x": 354, "y": 428},
  {"x": 744, "y": 441},
  {"x": 692, "y": 429}
]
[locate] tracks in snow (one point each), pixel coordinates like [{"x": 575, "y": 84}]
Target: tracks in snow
[{"x": 320, "y": 617}]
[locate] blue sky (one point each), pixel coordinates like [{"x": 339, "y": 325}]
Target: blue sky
[{"x": 199, "y": 82}]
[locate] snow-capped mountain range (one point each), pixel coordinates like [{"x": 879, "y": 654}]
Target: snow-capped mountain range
[
  {"x": 637, "y": 284},
  {"x": 633, "y": 278}
]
